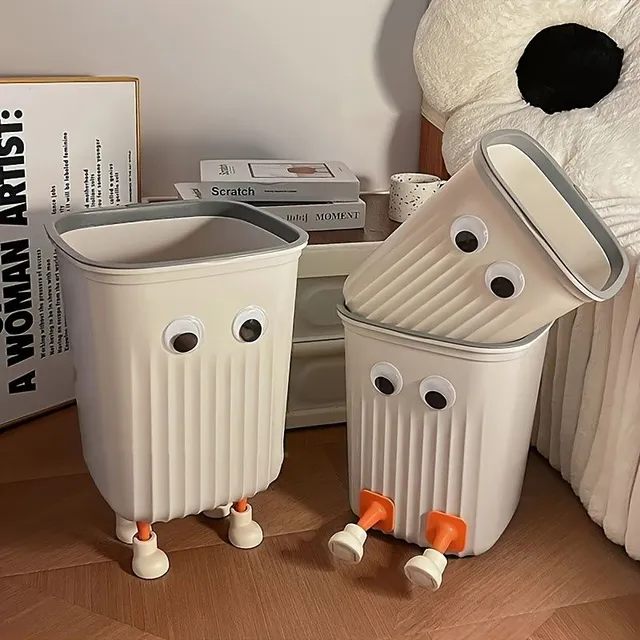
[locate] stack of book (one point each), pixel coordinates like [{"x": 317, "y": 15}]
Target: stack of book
[{"x": 317, "y": 196}]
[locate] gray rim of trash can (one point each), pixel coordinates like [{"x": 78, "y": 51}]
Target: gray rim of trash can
[
  {"x": 294, "y": 236},
  {"x": 574, "y": 197},
  {"x": 460, "y": 346}
]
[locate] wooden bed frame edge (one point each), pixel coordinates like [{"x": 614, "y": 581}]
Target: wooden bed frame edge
[{"x": 431, "y": 161}]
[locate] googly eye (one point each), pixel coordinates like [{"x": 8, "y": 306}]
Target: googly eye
[
  {"x": 250, "y": 324},
  {"x": 469, "y": 234},
  {"x": 386, "y": 379},
  {"x": 504, "y": 280},
  {"x": 437, "y": 393},
  {"x": 182, "y": 335}
]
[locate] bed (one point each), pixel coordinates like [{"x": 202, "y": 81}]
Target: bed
[{"x": 469, "y": 60}]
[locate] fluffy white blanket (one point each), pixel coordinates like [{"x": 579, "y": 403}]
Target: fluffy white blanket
[{"x": 466, "y": 55}]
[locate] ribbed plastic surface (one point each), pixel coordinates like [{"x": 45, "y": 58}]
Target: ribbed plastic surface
[
  {"x": 165, "y": 436},
  {"x": 467, "y": 460},
  {"x": 467, "y": 266},
  {"x": 181, "y": 404},
  {"x": 419, "y": 280}
]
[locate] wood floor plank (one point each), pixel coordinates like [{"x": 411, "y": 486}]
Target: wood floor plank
[
  {"x": 552, "y": 555},
  {"x": 287, "y": 589},
  {"x": 292, "y": 589},
  {"x": 205, "y": 595},
  {"x": 44, "y": 448},
  {"x": 311, "y": 596},
  {"x": 63, "y": 521},
  {"x": 315, "y": 436},
  {"x": 553, "y": 575},
  {"x": 514, "y": 628},
  {"x": 615, "y": 619},
  {"x": 27, "y": 614},
  {"x": 54, "y": 522}
]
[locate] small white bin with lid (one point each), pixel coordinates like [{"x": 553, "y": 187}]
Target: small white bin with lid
[
  {"x": 438, "y": 438},
  {"x": 180, "y": 318},
  {"x": 505, "y": 234}
]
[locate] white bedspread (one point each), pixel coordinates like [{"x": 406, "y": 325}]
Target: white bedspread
[{"x": 466, "y": 54}]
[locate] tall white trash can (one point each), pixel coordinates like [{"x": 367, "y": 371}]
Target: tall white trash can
[
  {"x": 438, "y": 438},
  {"x": 474, "y": 262},
  {"x": 180, "y": 318}
]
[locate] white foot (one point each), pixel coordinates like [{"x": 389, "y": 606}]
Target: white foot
[
  {"x": 219, "y": 512},
  {"x": 149, "y": 562},
  {"x": 348, "y": 544},
  {"x": 426, "y": 570},
  {"x": 244, "y": 531},
  {"x": 125, "y": 530}
]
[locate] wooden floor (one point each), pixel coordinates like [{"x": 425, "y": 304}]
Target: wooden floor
[{"x": 553, "y": 575}]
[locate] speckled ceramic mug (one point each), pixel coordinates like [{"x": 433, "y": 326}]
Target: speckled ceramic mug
[{"x": 409, "y": 191}]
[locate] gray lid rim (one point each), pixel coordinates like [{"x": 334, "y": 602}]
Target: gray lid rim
[
  {"x": 616, "y": 256},
  {"x": 294, "y": 236},
  {"x": 458, "y": 345}
]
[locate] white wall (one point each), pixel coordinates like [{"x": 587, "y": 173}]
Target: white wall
[{"x": 328, "y": 79}]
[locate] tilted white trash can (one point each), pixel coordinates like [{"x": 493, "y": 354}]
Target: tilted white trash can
[
  {"x": 438, "y": 438},
  {"x": 474, "y": 262},
  {"x": 180, "y": 317}
]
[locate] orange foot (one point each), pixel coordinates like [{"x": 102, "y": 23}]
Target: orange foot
[
  {"x": 445, "y": 533},
  {"x": 376, "y": 511}
]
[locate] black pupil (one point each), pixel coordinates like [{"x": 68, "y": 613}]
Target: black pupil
[
  {"x": 502, "y": 287},
  {"x": 466, "y": 241},
  {"x": 435, "y": 400},
  {"x": 185, "y": 342},
  {"x": 250, "y": 330},
  {"x": 384, "y": 385}
]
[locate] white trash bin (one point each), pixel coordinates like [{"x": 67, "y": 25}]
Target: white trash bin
[
  {"x": 505, "y": 247},
  {"x": 438, "y": 438},
  {"x": 180, "y": 318}
]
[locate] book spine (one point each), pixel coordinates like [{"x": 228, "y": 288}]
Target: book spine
[
  {"x": 332, "y": 217},
  {"x": 277, "y": 192},
  {"x": 314, "y": 216}
]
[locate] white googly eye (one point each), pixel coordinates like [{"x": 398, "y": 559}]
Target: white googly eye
[
  {"x": 437, "y": 393},
  {"x": 386, "y": 379},
  {"x": 504, "y": 280},
  {"x": 250, "y": 324},
  {"x": 183, "y": 335},
  {"x": 469, "y": 234}
]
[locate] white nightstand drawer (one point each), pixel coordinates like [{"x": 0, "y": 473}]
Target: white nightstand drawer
[
  {"x": 315, "y": 314},
  {"x": 317, "y": 384},
  {"x": 322, "y": 270}
]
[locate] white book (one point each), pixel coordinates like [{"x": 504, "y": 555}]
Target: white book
[
  {"x": 310, "y": 216},
  {"x": 279, "y": 181}
]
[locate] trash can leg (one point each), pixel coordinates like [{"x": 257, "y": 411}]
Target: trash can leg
[
  {"x": 219, "y": 512},
  {"x": 244, "y": 531},
  {"x": 375, "y": 511},
  {"x": 149, "y": 562},
  {"x": 125, "y": 529},
  {"x": 444, "y": 533}
]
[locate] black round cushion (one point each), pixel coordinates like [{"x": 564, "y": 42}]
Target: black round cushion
[{"x": 568, "y": 66}]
